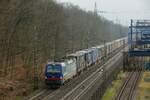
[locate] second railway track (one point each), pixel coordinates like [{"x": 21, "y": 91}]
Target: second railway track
[{"x": 128, "y": 88}]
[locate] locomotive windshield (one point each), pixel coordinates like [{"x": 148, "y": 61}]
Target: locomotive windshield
[{"x": 53, "y": 68}]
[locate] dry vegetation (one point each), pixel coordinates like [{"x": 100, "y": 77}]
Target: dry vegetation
[{"x": 144, "y": 87}]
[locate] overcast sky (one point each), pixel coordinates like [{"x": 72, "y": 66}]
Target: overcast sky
[{"x": 122, "y": 10}]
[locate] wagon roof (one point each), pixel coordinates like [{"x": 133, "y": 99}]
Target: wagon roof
[{"x": 75, "y": 54}]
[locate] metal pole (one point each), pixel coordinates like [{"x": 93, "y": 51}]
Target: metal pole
[
  {"x": 35, "y": 58},
  {"x": 131, "y": 33}
]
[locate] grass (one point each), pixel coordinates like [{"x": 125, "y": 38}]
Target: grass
[
  {"x": 115, "y": 86},
  {"x": 144, "y": 87},
  {"x": 18, "y": 98}
]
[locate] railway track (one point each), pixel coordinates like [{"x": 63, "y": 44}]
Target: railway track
[
  {"x": 46, "y": 93},
  {"x": 127, "y": 90},
  {"x": 77, "y": 91},
  {"x": 69, "y": 86},
  {"x": 88, "y": 83}
]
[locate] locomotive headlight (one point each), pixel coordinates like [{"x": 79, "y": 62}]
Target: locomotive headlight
[
  {"x": 45, "y": 77},
  {"x": 61, "y": 77}
]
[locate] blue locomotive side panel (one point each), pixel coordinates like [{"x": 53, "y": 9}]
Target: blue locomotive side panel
[{"x": 58, "y": 73}]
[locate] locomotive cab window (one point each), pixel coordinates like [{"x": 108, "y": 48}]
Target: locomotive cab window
[{"x": 53, "y": 69}]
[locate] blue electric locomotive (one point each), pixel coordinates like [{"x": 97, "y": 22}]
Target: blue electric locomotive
[
  {"x": 53, "y": 74},
  {"x": 58, "y": 73}
]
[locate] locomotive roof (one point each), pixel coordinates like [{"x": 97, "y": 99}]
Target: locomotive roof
[
  {"x": 63, "y": 62},
  {"x": 78, "y": 53}
]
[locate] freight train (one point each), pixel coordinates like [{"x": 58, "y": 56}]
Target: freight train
[{"x": 57, "y": 73}]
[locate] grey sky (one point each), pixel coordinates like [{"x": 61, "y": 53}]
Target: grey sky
[{"x": 128, "y": 9}]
